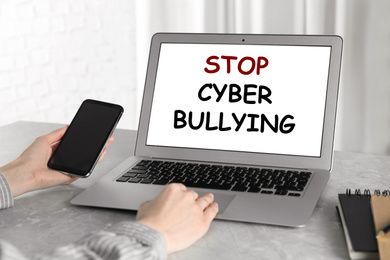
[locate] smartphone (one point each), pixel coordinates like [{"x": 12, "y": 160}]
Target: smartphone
[{"x": 83, "y": 142}]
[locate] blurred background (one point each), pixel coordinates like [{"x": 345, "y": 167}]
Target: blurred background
[{"x": 56, "y": 53}]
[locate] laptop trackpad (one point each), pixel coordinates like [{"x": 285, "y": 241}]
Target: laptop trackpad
[{"x": 222, "y": 199}]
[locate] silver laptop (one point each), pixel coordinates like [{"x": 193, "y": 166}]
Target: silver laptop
[{"x": 250, "y": 118}]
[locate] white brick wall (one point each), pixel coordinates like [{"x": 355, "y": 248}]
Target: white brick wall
[{"x": 56, "y": 53}]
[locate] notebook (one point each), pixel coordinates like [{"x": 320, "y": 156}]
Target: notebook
[
  {"x": 358, "y": 225},
  {"x": 252, "y": 102}
]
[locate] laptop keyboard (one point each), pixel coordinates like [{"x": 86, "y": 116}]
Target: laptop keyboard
[{"x": 244, "y": 179}]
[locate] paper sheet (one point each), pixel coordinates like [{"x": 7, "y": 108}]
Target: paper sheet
[{"x": 381, "y": 212}]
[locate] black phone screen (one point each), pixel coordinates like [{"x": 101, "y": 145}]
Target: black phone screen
[{"x": 79, "y": 149}]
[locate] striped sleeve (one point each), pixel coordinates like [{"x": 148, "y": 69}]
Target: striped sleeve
[
  {"x": 9, "y": 252},
  {"x": 127, "y": 240},
  {"x": 6, "y": 198}
]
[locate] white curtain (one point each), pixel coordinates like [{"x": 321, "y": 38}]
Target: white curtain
[{"x": 363, "y": 123}]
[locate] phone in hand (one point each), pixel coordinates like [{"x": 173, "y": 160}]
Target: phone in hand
[{"x": 86, "y": 137}]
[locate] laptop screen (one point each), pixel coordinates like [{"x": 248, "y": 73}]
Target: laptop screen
[{"x": 240, "y": 97}]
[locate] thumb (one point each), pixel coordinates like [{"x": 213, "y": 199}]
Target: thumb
[{"x": 55, "y": 136}]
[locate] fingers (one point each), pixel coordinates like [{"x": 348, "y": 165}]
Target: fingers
[
  {"x": 211, "y": 212},
  {"x": 51, "y": 178},
  {"x": 196, "y": 195},
  {"x": 110, "y": 140},
  {"x": 71, "y": 179},
  {"x": 174, "y": 186},
  {"x": 205, "y": 201},
  {"x": 54, "y": 136},
  {"x": 102, "y": 155},
  {"x": 181, "y": 188},
  {"x": 210, "y": 208}
]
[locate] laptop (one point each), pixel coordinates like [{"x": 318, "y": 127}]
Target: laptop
[{"x": 250, "y": 118}]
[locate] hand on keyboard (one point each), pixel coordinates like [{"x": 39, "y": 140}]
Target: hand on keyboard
[{"x": 179, "y": 214}]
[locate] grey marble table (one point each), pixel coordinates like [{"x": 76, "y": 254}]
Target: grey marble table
[{"x": 45, "y": 219}]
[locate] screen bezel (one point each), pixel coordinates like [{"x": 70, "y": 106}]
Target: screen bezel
[
  {"x": 78, "y": 172},
  {"x": 261, "y": 159}
]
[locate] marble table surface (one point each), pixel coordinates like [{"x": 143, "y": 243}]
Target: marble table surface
[{"x": 45, "y": 219}]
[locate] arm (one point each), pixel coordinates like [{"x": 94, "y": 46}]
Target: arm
[
  {"x": 30, "y": 172},
  {"x": 174, "y": 220},
  {"x": 124, "y": 240}
]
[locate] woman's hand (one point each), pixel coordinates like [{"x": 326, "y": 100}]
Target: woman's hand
[
  {"x": 179, "y": 214},
  {"x": 30, "y": 172}
]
